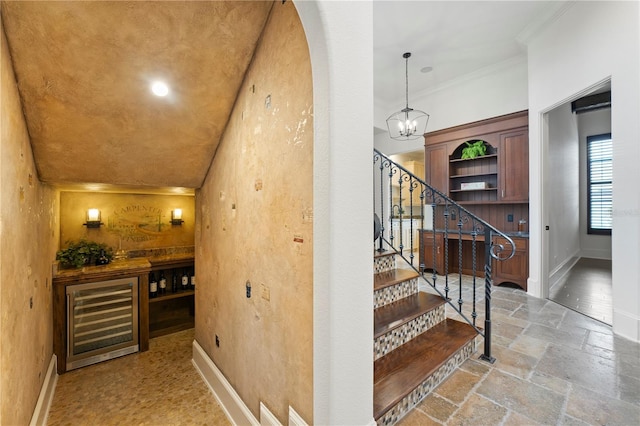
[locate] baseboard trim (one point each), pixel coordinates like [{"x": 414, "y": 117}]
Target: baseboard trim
[
  {"x": 296, "y": 419},
  {"x": 563, "y": 269},
  {"x": 626, "y": 325},
  {"x": 267, "y": 418},
  {"x": 45, "y": 398},
  {"x": 236, "y": 410}
]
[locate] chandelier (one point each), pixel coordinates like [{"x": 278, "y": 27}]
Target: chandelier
[{"x": 408, "y": 123}]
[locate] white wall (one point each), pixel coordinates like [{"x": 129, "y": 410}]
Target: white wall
[
  {"x": 342, "y": 255},
  {"x": 589, "y": 43},
  {"x": 563, "y": 188},
  {"x": 589, "y": 124},
  {"x": 496, "y": 90}
]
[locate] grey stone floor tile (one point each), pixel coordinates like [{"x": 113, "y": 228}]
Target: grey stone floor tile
[
  {"x": 579, "y": 367},
  {"x": 543, "y": 317},
  {"x": 478, "y": 410},
  {"x": 513, "y": 362},
  {"x": 574, "y": 339},
  {"x": 523, "y": 397},
  {"x": 594, "y": 408},
  {"x": 529, "y": 345}
]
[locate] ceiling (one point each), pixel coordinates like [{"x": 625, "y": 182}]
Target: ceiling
[
  {"x": 84, "y": 70},
  {"x": 454, "y": 38}
]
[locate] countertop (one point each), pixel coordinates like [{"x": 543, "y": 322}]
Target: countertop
[
  {"x": 134, "y": 265},
  {"x": 115, "y": 266}
]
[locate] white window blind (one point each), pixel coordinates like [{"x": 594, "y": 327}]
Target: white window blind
[{"x": 599, "y": 184}]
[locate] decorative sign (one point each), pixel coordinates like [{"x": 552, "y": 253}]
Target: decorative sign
[{"x": 138, "y": 222}]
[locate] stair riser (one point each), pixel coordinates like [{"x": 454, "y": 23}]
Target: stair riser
[
  {"x": 418, "y": 394},
  {"x": 384, "y": 263},
  {"x": 395, "y": 292},
  {"x": 400, "y": 335}
]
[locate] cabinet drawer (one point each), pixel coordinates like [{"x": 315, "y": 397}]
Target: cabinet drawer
[{"x": 521, "y": 243}]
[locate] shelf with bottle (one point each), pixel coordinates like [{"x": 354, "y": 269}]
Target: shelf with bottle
[{"x": 171, "y": 283}]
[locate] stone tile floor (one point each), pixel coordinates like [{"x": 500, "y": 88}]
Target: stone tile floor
[
  {"x": 157, "y": 387},
  {"x": 553, "y": 366}
]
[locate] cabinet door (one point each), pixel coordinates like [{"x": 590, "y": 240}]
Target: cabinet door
[
  {"x": 514, "y": 166},
  {"x": 436, "y": 168},
  {"x": 426, "y": 251},
  {"x": 516, "y": 269}
]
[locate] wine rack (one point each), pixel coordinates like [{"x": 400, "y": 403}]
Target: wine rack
[{"x": 172, "y": 311}]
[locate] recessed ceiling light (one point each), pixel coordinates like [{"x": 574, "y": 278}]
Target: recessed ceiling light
[
  {"x": 160, "y": 88},
  {"x": 425, "y": 70}
]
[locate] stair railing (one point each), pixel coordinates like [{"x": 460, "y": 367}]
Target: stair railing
[{"x": 412, "y": 213}]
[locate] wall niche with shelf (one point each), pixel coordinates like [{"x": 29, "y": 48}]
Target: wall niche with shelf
[{"x": 474, "y": 180}]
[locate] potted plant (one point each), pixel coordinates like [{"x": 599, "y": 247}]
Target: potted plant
[
  {"x": 474, "y": 149},
  {"x": 83, "y": 252}
]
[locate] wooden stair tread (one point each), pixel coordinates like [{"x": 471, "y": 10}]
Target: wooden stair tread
[
  {"x": 400, "y": 312},
  {"x": 393, "y": 277},
  {"x": 377, "y": 254},
  {"x": 405, "y": 368}
]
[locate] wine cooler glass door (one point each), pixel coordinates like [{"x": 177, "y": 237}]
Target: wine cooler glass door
[{"x": 102, "y": 321}]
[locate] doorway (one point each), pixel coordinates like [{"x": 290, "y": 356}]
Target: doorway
[{"x": 578, "y": 260}]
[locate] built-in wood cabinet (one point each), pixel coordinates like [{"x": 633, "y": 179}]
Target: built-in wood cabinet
[
  {"x": 430, "y": 243},
  {"x": 153, "y": 316},
  {"x": 514, "y": 166},
  {"x": 436, "y": 164},
  {"x": 172, "y": 311},
  {"x": 494, "y": 186},
  {"x": 516, "y": 269}
]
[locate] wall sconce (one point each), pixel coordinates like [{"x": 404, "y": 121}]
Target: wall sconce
[
  {"x": 93, "y": 219},
  {"x": 176, "y": 217}
]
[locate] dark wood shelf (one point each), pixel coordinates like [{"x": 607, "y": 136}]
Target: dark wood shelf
[
  {"x": 167, "y": 327},
  {"x": 469, "y": 175},
  {"x": 170, "y": 296},
  {"x": 473, "y": 190},
  {"x": 471, "y": 203},
  {"x": 458, "y": 160}
]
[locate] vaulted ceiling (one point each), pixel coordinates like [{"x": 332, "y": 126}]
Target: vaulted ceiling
[{"x": 84, "y": 71}]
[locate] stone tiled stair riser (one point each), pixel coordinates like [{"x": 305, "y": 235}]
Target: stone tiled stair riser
[
  {"x": 400, "y": 335},
  {"x": 384, "y": 263},
  {"x": 392, "y": 293}
]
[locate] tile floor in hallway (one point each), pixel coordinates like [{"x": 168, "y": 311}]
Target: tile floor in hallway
[
  {"x": 157, "y": 387},
  {"x": 554, "y": 367}
]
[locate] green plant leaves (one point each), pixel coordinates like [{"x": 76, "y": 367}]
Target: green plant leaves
[
  {"x": 82, "y": 252},
  {"x": 474, "y": 149}
]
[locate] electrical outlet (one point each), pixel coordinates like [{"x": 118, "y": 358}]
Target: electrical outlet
[
  {"x": 510, "y": 217},
  {"x": 217, "y": 341}
]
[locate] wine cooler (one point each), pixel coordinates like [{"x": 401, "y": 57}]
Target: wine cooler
[{"x": 102, "y": 321}]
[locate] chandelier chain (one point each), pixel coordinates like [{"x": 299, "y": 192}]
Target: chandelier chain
[{"x": 406, "y": 80}]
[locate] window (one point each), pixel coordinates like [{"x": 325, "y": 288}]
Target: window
[{"x": 599, "y": 186}]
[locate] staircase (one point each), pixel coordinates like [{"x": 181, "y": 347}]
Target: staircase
[{"x": 415, "y": 346}]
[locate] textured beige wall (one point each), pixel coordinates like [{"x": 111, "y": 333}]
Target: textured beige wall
[
  {"x": 135, "y": 221},
  {"x": 28, "y": 240},
  {"x": 255, "y": 224}
]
